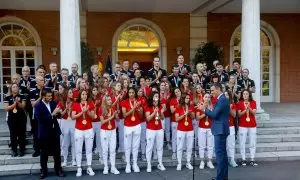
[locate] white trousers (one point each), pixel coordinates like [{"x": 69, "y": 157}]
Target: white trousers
[
  {"x": 243, "y": 133},
  {"x": 67, "y": 130},
  {"x": 185, "y": 138},
  {"x": 88, "y": 137},
  {"x": 120, "y": 126},
  {"x": 143, "y": 137},
  {"x": 108, "y": 143},
  {"x": 97, "y": 128},
  {"x": 205, "y": 141},
  {"x": 167, "y": 128},
  {"x": 195, "y": 127},
  {"x": 231, "y": 143},
  {"x": 156, "y": 136},
  {"x": 174, "y": 136},
  {"x": 132, "y": 136}
]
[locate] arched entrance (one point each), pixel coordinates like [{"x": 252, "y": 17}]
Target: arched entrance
[
  {"x": 20, "y": 46},
  {"x": 139, "y": 39},
  {"x": 270, "y": 60}
]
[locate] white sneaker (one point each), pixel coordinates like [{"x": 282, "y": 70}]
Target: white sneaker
[
  {"x": 105, "y": 170},
  {"x": 136, "y": 168},
  {"x": 149, "y": 168},
  {"x": 169, "y": 146},
  {"x": 64, "y": 164},
  {"x": 174, "y": 156},
  {"x": 114, "y": 170},
  {"x": 178, "y": 167},
  {"x": 128, "y": 168},
  {"x": 74, "y": 163},
  {"x": 90, "y": 171},
  {"x": 202, "y": 164},
  {"x": 210, "y": 165},
  {"x": 161, "y": 167},
  {"x": 79, "y": 172},
  {"x": 155, "y": 156},
  {"x": 189, "y": 166}
]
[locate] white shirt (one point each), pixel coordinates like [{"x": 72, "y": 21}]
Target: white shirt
[
  {"x": 48, "y": 106},
  {"x": 220, "y": 95}
]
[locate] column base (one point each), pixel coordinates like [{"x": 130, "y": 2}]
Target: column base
[{"x": 261, "y": 115}]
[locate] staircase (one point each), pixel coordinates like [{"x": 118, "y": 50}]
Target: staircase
[{"x": 276, "y": 140}]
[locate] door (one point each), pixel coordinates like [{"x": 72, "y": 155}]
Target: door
[{"x": 267, "y": 79}]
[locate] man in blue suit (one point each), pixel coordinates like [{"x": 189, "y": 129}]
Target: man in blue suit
[
  {"x": 220, "y": 129},
  {"x": 48, "y": 133}
]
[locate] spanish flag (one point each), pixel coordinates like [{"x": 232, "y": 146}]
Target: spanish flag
[{"x": 100, "y": 65}]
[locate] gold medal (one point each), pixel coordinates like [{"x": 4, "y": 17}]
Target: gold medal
[
  {"x": 206, "y": 123},
  {"x": 109, "y": 126},
  {"x": 186, "y": 123},
  {"x": 132, "y": 118},
  {"x": 248, "y": 119},
  {"x": 156, "y": 123},
  {"x": 15, "y": 110},
  {"x": 84, "y": 122}
]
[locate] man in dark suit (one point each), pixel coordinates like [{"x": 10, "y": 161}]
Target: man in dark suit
[
  {"x": 48, "y": 133},
  {"x": 220, "y": 129}
]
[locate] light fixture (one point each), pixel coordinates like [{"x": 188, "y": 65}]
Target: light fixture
[
  {"x": 179, "y": 50},
  {"x": 99, "y": 51},
  {"x": 54, "y": 51}
]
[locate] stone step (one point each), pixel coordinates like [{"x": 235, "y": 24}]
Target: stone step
[
  {"x": 278, "y": 130},
  {"x": 34, "y": 168},
  {"x": 269, "y": 124},
  {"x": 6, "y": 140}
]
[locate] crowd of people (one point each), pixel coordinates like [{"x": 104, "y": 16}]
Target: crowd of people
[{"x": 130, "y": 111}]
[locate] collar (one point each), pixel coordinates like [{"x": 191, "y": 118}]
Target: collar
[
  {"x": 46, "y": 103},
  {"x": 220, "y": 95}
]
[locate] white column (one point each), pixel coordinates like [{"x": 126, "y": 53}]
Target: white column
[
  {"x": 251, "y": 44},
  {"x": 69, "y": 34}
]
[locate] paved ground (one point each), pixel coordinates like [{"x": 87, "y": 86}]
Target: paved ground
[{"x": 265, "y": 171}]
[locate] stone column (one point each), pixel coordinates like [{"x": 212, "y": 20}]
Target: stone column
[
  {"x": 70, "y": 34},
  {"x": 251, "y": 44}
]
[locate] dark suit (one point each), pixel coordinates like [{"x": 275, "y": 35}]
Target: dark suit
[
  {"x": 220, "y": 130},
  {"x": 48, "y": 135}
]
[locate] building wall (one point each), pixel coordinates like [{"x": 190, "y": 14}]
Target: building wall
[
  {"x": 46, "y": 24},
  {"x": 221, "y": 27},
  {"x": 101, "y": 27}
]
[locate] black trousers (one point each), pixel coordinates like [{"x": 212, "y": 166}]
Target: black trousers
[
  {"x": 50, "y": 147},
  {"x": 17, "y": 129},
  {"x": 34, "y": 129}
]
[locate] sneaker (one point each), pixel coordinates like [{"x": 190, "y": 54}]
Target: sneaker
[
  {"x": 114, "y": 170},
  {"x": 244, "y": 163},
  {"x": 136, "y": 168},
  {"x": 79, "y": 172},
  {"x": 189, "y": 166},
  {"x": 155, "y": 156},
  {"x": 178, "y": 167},
  {"x": 90, "y": 171},
  {"x": 210, "y": 165},
  {"x": 253, "y": 163},
  {"x": 174, "y": 156},
  {"x": 149, "y": 168},
  {"x": 74, "y": 163},
  {"x": 169, "y": 147},
  {"x": 161, "y": 167},
  {"x": 202, "y": 164},
  {"x": 128, "y": 168},
  {"x": 105, "y": 170},
  {"x": 233, "y": 164},
  {"x": 64, "y": 164},
  {"x": 144, "y": 157}
]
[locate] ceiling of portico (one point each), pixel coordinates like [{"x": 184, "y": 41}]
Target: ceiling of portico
[{"x": 174, "y": 6}]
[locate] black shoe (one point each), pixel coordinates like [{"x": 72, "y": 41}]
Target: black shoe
[
  {"x": 14, "y": 154},
  {"x": 21, "y": 154},
  {"x": 43, "y": 175},
  {"x": 253, "y": 163},
  {"x": 60, "y": 173},
  {"x": 244, "y": 163},
  {"x": 35, "y": 154}
]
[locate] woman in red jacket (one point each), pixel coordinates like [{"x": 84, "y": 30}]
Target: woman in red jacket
[
  {"x": 185, "y": 134},
  {"x": 154, "y": 133},
  {"x": 247, "y": 125},
  {"x": 132, "y": 112},
  {"x": 108, "y": 134},
  {"x": 83, "y": 112},
  {"x": 205, "y": 137}
]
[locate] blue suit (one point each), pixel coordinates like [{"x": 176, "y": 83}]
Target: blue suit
[{"x": 220, "y": 130}]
